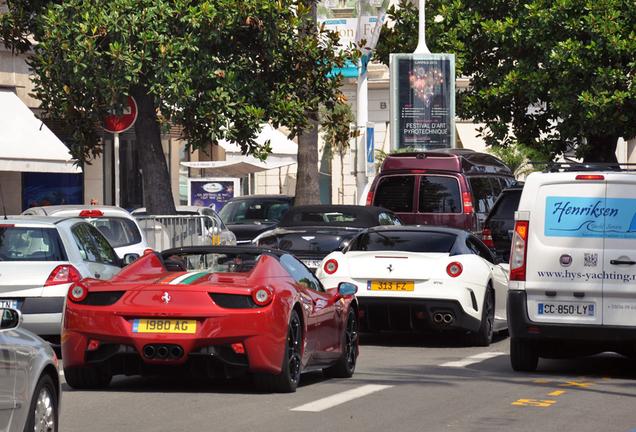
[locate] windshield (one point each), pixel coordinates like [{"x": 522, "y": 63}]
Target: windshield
[
  {"x": 250, "y": 211},
  {"x": 31, "y": 244},
  {"x": 406, "y": 241}
]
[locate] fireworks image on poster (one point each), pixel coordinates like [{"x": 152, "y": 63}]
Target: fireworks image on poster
[{"x": 423, "y": 82}]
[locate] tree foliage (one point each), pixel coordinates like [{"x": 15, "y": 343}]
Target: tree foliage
[
  {"x": 559, "y": 72},
  {"x": 216, "y": 69}
]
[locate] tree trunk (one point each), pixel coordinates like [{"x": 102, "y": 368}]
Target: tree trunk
[
  {"x": 601, "y": 149},
  {"x": 156, "y": 178},
  {"x": 307, "y": 180}
]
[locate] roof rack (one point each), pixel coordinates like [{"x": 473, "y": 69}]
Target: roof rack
[{"x": 585, "y": 166}]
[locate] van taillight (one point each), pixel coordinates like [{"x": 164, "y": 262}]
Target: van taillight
[
  {"x": 487, "y": 238},
  {"x": 369, "y": 198},
  {"x": 518, "y": 251},
  {"x": 468, "y": 202}
]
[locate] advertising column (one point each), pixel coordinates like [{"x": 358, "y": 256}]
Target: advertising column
[{"x": 422, "y": 101}]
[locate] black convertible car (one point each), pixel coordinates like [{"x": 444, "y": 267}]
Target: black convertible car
[{"x": 311, "y": 232}]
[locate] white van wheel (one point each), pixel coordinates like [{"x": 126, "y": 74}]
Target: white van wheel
[{"x": 523, "y": 355}]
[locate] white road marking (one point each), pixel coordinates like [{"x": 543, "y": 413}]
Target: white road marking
[
  {"x": 472, "y": 359},
  {"x": 337, "y": 399}
]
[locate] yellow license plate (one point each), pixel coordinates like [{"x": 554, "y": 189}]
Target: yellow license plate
[
  {"x": 143, "y": 325},
  {"x": 391, "y": 285}
]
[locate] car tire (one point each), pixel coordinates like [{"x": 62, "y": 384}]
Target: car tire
[
  {"x": 346, "y": 364},
  {"x": 87, "y": 378},
  {"x": 43, "y": 412},
  {"x": 523, "y": 355},
  {"x": 483, "y": 336},
  {"x": 287, "y": 380}
]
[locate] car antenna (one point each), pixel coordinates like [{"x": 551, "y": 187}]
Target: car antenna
[{"x": 4, "y": 210}]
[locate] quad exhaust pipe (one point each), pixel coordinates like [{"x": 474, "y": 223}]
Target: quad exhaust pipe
[
  {"x": 163, "y": 352},
  {"x": 443, "y": 318}
]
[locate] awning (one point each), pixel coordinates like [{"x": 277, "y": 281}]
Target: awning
[
  {"x": 279, "y": 143},
  {"x": 27, "y": 144},
  {"x": 467, "y": 133},
  {"x": 236, "y": 168}
]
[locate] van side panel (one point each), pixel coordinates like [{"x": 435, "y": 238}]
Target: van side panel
[
  {"x": 563, "y": 262},
  {"x": 619, "y": 261}
]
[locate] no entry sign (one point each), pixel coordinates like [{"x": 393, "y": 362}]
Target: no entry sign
[{"x": 120, "y": 124}]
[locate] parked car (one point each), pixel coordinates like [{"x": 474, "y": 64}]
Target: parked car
[
  {"x": 211, "y": 230},
  {"x": 573, "y": 266},
  {"x": 500, "y": 223},
  {"x": 116, "y": 223},
  {"x": 40, "y": 257},
  {"x": 210, "y": 310},
  {"x": 30, "y": 378},
  {"x": 251, "y": 215},
  {"x": 311, "y": 232},
  {"x": 446, "y": 187},
  {"x": 423, "y": 278}
]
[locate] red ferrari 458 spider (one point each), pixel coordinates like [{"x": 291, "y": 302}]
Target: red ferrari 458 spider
[{"x": 210, "y": 311}]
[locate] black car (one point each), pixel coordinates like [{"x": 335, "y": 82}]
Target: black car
[
  {"x": 500, "y": 222},
  {"x": 311, "y": 232},
  {"x": 251, "y": 215}
]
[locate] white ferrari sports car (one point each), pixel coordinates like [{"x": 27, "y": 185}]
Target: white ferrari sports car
[{"x": 423, "y": 278}]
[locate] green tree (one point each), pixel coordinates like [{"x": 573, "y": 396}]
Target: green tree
[
  {"x": 518, "y": 158},
  {"x": 559, "y": 71},
  {"x": 216, "y": 69}
]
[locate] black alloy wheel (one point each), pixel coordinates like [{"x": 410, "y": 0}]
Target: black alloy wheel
[
  {"x": 287, "y": 380},
  {"x": 483, "y": 336},
  {"x": 346, "y": 364}
]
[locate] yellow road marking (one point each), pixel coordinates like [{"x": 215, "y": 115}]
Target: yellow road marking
[
  {"x": 543, "y": 381},
  {"x": 533, "y": 402},
  {"x": 556, "y": 393},
  {"x": 570, "y": 383}
]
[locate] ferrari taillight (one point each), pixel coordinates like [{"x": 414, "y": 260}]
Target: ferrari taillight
[
  {"x": 331, "y": 266},
  {"x": 63, "y": 274},
  {"x": 487, "y": 238},
  {"x": 93, "y": 344},
  {"x": 148, "y": 251},
  {"x": 454, "y": 269},
  {"x": 262, "y": 296},
  {"x": 77, "y": 292},
  {"x": 238, "y": 348}
]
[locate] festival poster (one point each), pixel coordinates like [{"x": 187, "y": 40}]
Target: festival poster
[{"x": 423, "y": 101}]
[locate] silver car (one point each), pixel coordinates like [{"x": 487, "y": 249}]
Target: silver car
[
  {"x": 30, "y": 389},
  {"x": 40, "y": 257},
  {"x": 116, "y": 223}
]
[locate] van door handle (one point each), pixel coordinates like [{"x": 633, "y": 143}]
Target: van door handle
[{"x": 617, "y": 262}]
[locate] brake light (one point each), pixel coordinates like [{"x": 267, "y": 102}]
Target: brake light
[
  {"x": 238, "y": 348},
  {"x": 93, "y": 344},
  {"x": 518, "y": 251},
  {"x": 262, "y": 296},
  {"x": 487, "y": 238},
  {"x": 91, "y": 213},
  {"x": 147, "y": 251},
  {"x": 7, "y": 225},
  {"x": 77, "y": 292},
  {"x": 454, "y": 269},
  {"x": 468, "y": 202},
  {"x": 590, "y": 177},
  {"x": 331, "y": 266},
  {"x": 369, "y": 198},
  {"x": 63, "y": 274}
]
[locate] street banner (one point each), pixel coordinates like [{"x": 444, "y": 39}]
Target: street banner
[{"x": 422, "y": 101}]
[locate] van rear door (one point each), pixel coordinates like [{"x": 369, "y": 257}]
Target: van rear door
[
  {"x": 619, "y": 260},
  {"x": 565, "y": 249}
]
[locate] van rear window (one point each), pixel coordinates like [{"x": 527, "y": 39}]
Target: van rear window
[
  {"x": 396, "y": 193},
  {"x": 439, "y": 194}
]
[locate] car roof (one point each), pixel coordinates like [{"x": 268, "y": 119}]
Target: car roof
[
  {"x": 36, "y": 220},
  {"x": 51, "y": 210},
  {"x": 421, "y": 228},
  {"x": 366, "y": 216},
  {"x": 263, "y": 196},
  {"x": 183, "y": 209}
]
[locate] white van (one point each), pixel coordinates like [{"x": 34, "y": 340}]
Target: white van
[{"x": 572, "y": 288}]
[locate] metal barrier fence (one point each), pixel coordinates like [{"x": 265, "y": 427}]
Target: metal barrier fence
[{"x": 166, "y": 232}]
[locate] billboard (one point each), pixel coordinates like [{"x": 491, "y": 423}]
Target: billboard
[
  {"x": 212, "y": 192},
  {"x": 422, "y": 101}
]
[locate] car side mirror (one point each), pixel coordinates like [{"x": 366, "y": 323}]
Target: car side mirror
[
  {"x": 11, "y": 318},
  {"x": 347, "y": 289},
  {"x": 130, "y": 257}
]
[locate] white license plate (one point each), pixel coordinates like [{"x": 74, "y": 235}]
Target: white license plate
[
  {"x": 576, "y": 309},
  {"x": 13, "y": 304},
  {"x": 312, "y": 263}
]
